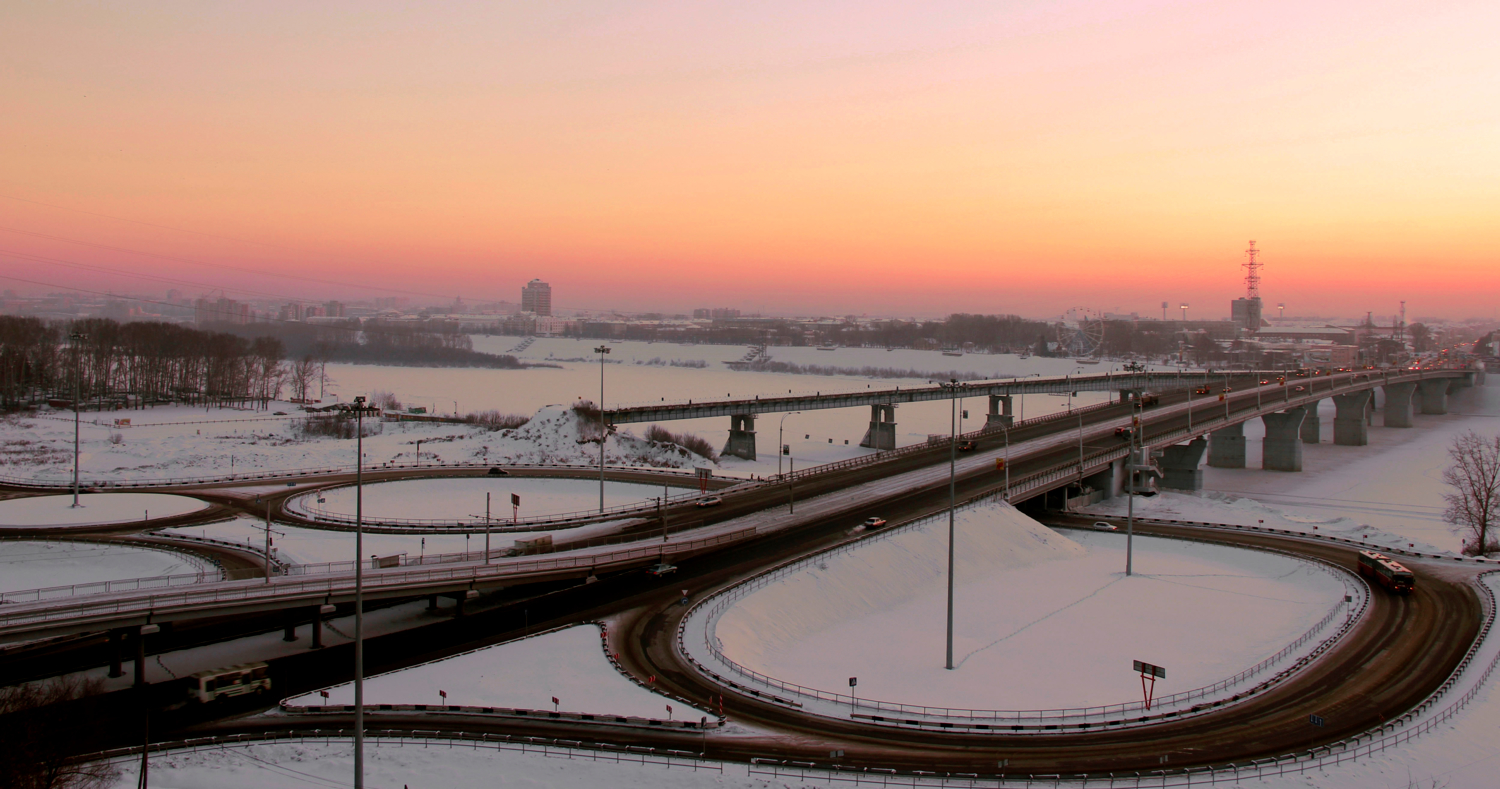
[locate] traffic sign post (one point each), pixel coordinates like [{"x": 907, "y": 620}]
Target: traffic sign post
[
  {"x": 1148, "y": 671},
  {"x": 852, "y": 682},
  {"x": 1316, "y": 720}
]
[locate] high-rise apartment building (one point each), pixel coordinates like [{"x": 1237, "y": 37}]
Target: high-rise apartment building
[{"x": 536, "y": 298}]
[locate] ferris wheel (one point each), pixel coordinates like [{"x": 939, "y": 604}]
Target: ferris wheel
[{"x": 1082, "y": 337}]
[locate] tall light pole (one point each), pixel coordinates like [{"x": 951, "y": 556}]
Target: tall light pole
[
  {"x": 602, "y": 350},
  {"x": 953, "y": 387},
  {"x": 781, "y": 439},
  {"x": 1130, "y": 470},
  {"x": 358, "y": 410},
  {"x": 77, "y": 339}
]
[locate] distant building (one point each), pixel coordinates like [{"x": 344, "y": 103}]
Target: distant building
[
  {"x": 333, "y": 309},
  {"x": 1246, "y": 313},
  {"x": 536, "y": 298},
  {"x": 220, "y": 311},
  {"x": 717, "y": 313}
]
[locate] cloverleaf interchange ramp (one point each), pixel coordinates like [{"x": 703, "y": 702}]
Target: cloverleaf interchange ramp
[{"x": 1401, "y": 651}]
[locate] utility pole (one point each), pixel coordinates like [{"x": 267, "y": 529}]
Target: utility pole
[
  {"x": 953, "y": 387},
  {"x": 487, "y": 527},
  {"x": 77, "y": 339},
  {"x": 602, "y": 350},
  {"x": 358, "y": 410}
]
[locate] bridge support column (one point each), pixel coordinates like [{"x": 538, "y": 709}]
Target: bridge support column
[
  {"x": 1282, "y": 449},
  {"x": 1226, "y": 449},
  {"x": 116, "y": 648},
  {"x": 317, "y": 631},
  {"x": 1180, "y": 465},
  {"x": 1434, "y": 396},
  {"x": 1110, "y": 482},
  {"x": 1000, "y": 413},
  {"x": 741, "y": 443},
  {"x": 1312, "y": 425},
  {"x": 289, "y": 627},
  {"x": 140, "y": 658},
  {"x": 1349, "y": 428},
  {"x": 432, "y": 603},
  {"x": 882, "y": 432},
  {"x": 1398, "y": 410}
]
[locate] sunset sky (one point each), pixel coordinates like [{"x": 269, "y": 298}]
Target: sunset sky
[{"x": 786, "y": 157}]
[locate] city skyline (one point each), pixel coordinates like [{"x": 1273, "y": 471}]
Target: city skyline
[{"x": 801, "y": 159}]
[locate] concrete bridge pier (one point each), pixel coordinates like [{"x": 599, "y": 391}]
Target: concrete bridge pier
[
  {"x": 1282, "y": 450},
  {"x": 741, "y": 443},
  {"x": 116, "y": 650},
  {"x": 1398, "y": 410},
  {"x": 1312, "y": 424},
  {"x": 1227, "y": 447},
  {"x": 1434, "y": 395},
  {"x": 1000, "y": 413},
  {"x": 882, "y": 432},
  {"x": 1180, "y": 465},
  {"x": 1349, "y": 427},
  {"x": 1110, "y": 482}
]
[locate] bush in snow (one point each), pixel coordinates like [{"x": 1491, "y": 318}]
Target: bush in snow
[
  {"x": 332, "y": 427},
  {"x": 494, "y": 420},
  {"x": 694, "y": 443}
]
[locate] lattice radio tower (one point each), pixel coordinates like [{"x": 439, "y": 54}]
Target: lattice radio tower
[{"x": 1252, "y": 272}]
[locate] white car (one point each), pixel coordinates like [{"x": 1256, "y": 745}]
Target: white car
[
  {"x": 1102, "y": 526},
  {"x": 873, "y": 523}
]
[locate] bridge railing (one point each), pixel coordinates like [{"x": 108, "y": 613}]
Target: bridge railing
[
  {"x": 294, "y": 587},
  {"x": 496, "y": 525}
]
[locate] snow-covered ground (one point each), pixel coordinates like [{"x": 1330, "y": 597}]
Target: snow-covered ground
[
  {"x": 1044, "y": 621},
  {"x": 25, "y": 564},
  {"x": 94, "y": 508},
  {"x": 183, "y": 441},
  {"x": 568, "y": 664},
  {"x": 320, "y": 763},
  {"x": 296, "y": 545},
  {"x": 463, "y": 498}
]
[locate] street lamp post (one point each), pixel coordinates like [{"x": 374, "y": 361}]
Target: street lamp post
[
  {"x": 953, "y": 387},
  {"x": 602, "y": 350},
  {"x": 77, "y": 339},
  {"x": 358, "y": 410},
  {"x": 781, "y": 439}
]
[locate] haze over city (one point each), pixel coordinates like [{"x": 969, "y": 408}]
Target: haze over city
[{"x": 880, "y": 159}]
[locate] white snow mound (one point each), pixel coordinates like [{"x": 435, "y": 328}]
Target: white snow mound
[{"x": 994, "y": 538}]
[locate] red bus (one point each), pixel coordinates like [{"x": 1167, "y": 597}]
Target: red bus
[{"x": 1386, "y": 572}]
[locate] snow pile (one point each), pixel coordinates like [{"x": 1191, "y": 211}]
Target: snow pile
[
  {"x": 1041, "y": 621},
  {"x": 95, "y": 508},
  {"x": 559, "y": 434},
  {"x": 885, "y": 574},
  {"x": 568, "y": 664}
]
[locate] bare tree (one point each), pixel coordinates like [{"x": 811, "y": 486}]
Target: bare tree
[
  {"x": 1474, "y": 504},
  {"x": 41, "y": 726},
  {"x": 303, "y": 373}
]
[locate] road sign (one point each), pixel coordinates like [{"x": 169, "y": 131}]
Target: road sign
[
  {"x": 853, "y": 681},
  {"x": 515, "y": 499},
  {"x": 1316, "y": 720},
  {"x": 1149, "y": 669},
  {"x": 999, "y": 464}
]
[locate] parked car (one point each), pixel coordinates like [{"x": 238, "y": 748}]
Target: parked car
[
  {"x": 1103, "y": 526},
  {"x": 873, "y": 523},
  {"x": 711, "y": 501}
]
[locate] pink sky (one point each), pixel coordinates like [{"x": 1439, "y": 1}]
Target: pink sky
[{"x": 787, "y": 157}]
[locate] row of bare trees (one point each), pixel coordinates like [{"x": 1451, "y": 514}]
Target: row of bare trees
[{"x": 139, "y": 363}]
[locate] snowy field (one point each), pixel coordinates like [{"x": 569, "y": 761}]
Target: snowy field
[
  {"x": 296, "y": 545},
  {"x": 1044, "y": 621},
  {"x": 25, "y": 564},
  {"x": 94, "y": 508},
  {"x": 568, "y": 664},
  {"x": 463, "y": 498}
]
